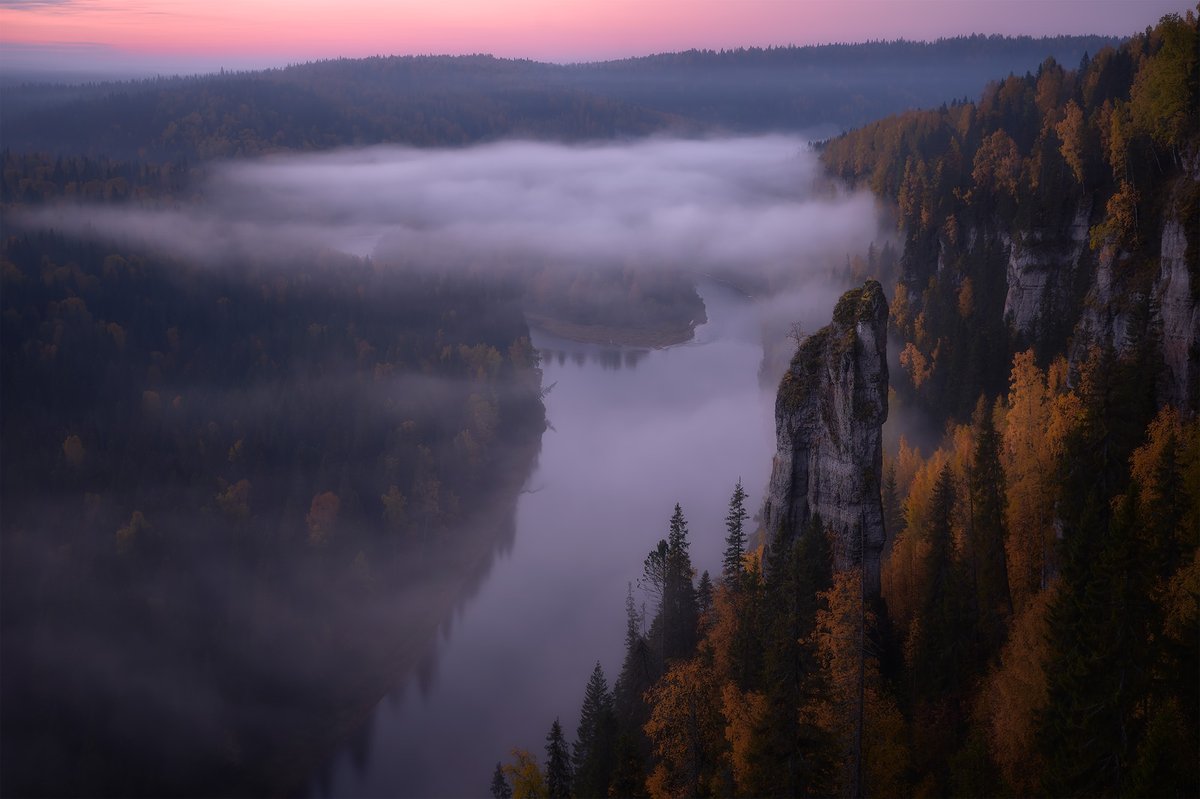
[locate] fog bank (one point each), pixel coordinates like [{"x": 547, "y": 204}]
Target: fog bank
[{"x": 759, "y": 205}]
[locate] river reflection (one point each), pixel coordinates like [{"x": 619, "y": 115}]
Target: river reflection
[
  {"x": 632, "y": 433},
  {"x": 609, "y": 358}
]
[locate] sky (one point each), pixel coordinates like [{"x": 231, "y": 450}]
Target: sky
[{"x": 203, "y": 35}]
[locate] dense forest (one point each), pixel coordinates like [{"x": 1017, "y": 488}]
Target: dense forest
[
  {"x": 1036, "y": 628},
  {"x": 446, "y": 101},
  {"x": 240, "y": 496},
  {"x": 213, "y": 475}
]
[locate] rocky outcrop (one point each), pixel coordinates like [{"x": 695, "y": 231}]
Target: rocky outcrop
[
  {"x": 1038, "y": 272},
  {"x": 829, "y": 412},
  {"x": 1178, "y": 320}
]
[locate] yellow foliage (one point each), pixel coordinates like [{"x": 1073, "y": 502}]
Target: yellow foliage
[
  {"x": 525, "y": 777},
  {"x": 1014, "y": 694},
  {"x": 1040, "y": 414},
  {"x": 685, "y": 728},
  {"x": 919, "y": 367},
  {"x": 885, "y": 755},
  {"x": 743, "y": 712}
]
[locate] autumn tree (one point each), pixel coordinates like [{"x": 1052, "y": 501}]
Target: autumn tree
[
  {"x": 686, "y": 730},
  {"x": 1163, "y": 101},
  {"x": 525, "y": 776}
]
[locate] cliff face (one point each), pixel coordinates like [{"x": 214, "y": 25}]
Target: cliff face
[
  {"x": 829, "y": 412},
  {"x": 1038, "y": 280}
]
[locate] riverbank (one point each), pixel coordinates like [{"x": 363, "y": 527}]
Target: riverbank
[{"x": 615, "y": 336}]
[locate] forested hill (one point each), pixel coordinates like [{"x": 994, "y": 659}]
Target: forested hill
[
  {"x": 1035, "y": 628},
  {"x": 443, "y": 100},
  {"x": 1059, "y": 211}
]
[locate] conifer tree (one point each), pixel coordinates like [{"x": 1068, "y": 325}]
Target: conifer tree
[
  {"x": 637, "y": 674},
  {"x": 788, "y": 756},
  {"x": 594, "y": 752},
  {"x": 986, "y": 536},
  {"x": 629, "y": 778},
  {"x": 679, "y": 608},
  {"x": 735, "y": 541},
  {"x": 558, "y": 764},
  {"x": 938, "y": 655},
  {"x": 704, "y": 599},
  {"x": 500, "y": 787}
]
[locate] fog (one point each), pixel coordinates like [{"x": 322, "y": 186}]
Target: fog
[
  {"x": 535, "y": 586},
  {"x": 745, "y": 204}
]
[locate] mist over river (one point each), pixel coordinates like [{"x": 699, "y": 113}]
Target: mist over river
[{"x": 631, "y": 433}]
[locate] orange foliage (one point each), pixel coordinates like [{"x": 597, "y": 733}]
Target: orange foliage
[
  {"x": 885, "y": 755},
  {"x": 1040, "y": 413},
  {"x": 1015, "y": 692},
  {"x": 743, "y": 711},
  {"x": 685, "y": 729}
]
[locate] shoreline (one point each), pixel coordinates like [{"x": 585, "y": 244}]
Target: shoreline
[{"x": 607, "y": 335}]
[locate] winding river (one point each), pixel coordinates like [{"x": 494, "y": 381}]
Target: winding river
[{"x": 632, "y": 433}]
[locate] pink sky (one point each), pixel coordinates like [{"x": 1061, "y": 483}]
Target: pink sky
[{"x": 204, "y": 34}]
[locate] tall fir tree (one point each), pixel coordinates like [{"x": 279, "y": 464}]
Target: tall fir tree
[
  {"x": 558, "y": 764},
  {"x": 594, "y": 752},
  {"x": 636, "y": 677},
  {"x": 788, "y": 755},
  {"x": 704, "y": 601},
  {"x": 680, "y": 612},
  {"x": 986, "y": 536},
  {"x": 733, "y": 564},
  {"x": 500, "y": 787}
]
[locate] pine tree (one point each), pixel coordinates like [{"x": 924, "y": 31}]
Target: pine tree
[
  {"x": 629, "y": 778},
  {"x": 733, "y": 566},
  {"x": 637, "y": 674},
  {"x": 987, "y": 533},
  {"x": 500, "y": 787},
  {"x": 893, "y": 513},
  {"x": 558, "y": 763},
  {"x": 680, "y": 613},
  {"x": 790, "y": 757},
  {"x": 704, "y": 599},
  {"x": 594, "y": 753},
  {"x": 938, "y": 656}
]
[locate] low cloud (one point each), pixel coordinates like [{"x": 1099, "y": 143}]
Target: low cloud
[{"x": 746, "y": 204}]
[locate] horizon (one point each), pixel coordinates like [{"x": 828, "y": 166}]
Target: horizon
[{"x": 118, "y": 39}]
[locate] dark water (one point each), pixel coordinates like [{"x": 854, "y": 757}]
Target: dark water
[{"x": 632, "y": 433}]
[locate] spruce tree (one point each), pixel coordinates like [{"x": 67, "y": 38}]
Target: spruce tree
[
  {"x": 733, "y": 566},
  {"x": 790, "y": 757},
  {"x": 939, "y": 656},
  {"x": 594, "y": 752},
  {"x": 500, "y": 787},
  {"x": 558, "y": 763},
  {"x": 629, "y": 778},
  {"x": 679, "y": 608},
  {"x": 637, "y": 673},
  {"x": 704, "y": 599},
  {"x": 993, "y": 603}
]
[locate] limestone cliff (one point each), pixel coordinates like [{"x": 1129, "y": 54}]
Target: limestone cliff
[
  {"x": 1038, "y": 277},
  {"x": 829, "y": 412}
]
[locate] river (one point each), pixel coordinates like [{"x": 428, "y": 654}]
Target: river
[{"x": 631, "y": 433}]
